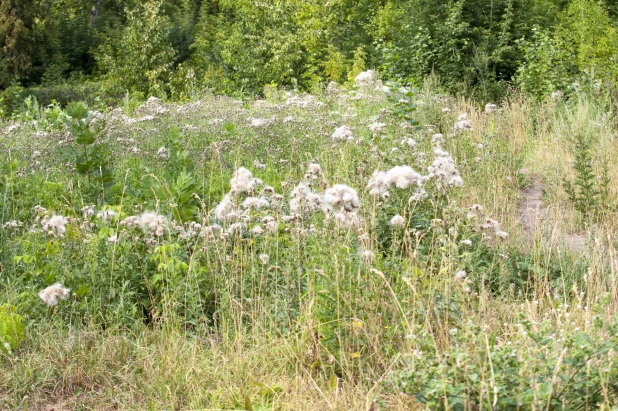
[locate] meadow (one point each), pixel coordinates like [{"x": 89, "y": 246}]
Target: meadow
[{"x": 364, "y": 247}]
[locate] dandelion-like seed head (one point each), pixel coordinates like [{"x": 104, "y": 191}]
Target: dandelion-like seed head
[
  {"x": 51, "y": 294},
  {"x": 397, "y": 221}
]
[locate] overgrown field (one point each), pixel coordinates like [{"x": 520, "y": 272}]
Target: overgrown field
[{"x": 360, "y": 249}]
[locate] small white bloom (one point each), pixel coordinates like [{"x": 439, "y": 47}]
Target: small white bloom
[
  {"x": 459, "y": 275},
  {"x": 163, "y": 152},
  {"x": 264, "y": 258},
  {"x": 51, "y": 294},
  {"x": 398, "y": 221},
  {"x": 490, "y": 108},
  {"x": 368, "y": 256},
  {"x": 343, "y": 133}
]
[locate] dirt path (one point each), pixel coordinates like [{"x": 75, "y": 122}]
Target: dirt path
[{"x": 533, "y": 212}]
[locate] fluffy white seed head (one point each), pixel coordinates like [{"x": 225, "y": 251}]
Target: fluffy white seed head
[
  {"x": 343, "y": 133},
  {"x": 342, "y": 196},
  {"x": 402, "y": 177},
  {"x": 243, "y": 181},
  {"x": 154, "y": 223},
  {"x": 398, "y": 221},
  {"x": 51, "y": 294}
]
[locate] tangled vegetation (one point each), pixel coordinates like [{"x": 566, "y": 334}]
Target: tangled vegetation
[{"x": 359, "y": 248}]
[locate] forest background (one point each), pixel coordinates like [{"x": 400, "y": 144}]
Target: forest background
[{"x": 65, "y": 50}]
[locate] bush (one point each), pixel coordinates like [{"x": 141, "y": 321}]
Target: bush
[{"x": 542, "y": 367}]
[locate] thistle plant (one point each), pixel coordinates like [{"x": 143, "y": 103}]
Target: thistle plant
[{"x": 587, "y": 193}]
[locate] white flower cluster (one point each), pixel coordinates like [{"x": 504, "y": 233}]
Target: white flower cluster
[
  {"x": 366, "y": 78},
  {"x": 397, "y": 177},
  {"x": 51, "y": 294},
  {"x": 243, "y": 181},
  {"x": 255, "y": 202},
  {"x": 488, "y": 225},
  {"x": 153, "y": 106},
  {"x": 376, "y": 127},
  {"x": 463, "y": 123},
  {"x": 490, "y": 108},
  {"x": 346, "y": 199},
  {"x": 397, "y": 221},
  {"x": 12, "y": 225},
  {"x": 154, "y": 223},
  {"x": 444, "y": 171},
  {"x": 56, "y": 225},
  {"x": 258, "y": 122},
  {"x": 343, "y": 133},
  {"x": 106, "y": 215},
  {"x": 304, "y": 200},
  {"x": 87, "y": 211},
  {"x": 163, "y": 153}
]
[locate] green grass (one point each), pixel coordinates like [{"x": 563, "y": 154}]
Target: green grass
[{"x": 183, "y": 321}]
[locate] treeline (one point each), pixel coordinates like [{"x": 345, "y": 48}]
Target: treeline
[{"x": 171, "y": 48}]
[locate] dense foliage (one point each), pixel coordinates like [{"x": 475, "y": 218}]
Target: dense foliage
[{"x": 171, "y": 48}]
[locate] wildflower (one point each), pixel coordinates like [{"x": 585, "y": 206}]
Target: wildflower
[
  {"x": 410, "y": 142},
  {"x": 477, "y": 208},
  {"x": 341, "y": 195},
  {"x": 556, "y": 95},
  {"x": 446, "y": 110},
  {"x": 243, "y": 181},
  {"x": 437, "y": 139},
  {"x": 366, "y": 78},
  {"x": 155, "y": 223},
  {"x": 463, "y": 123},
  {"x": 87, "y": 211},
  {"x": 39, "y": 210},
  {"x": 51, "y": 294},
  {"x": 368, "y": 256},
  {"x": 342, "y": 133},
  {"x": 346, "y": 218},
  {"x": 397, "y": 221},
  {"x": 163, "y": 152},
  {"x": 130, "y": 221},
  {"x": 234, "y": 228},
  {"x": 377, "y": 183},
  {"x": 255, "y": 202},
  {"x": 35, "y": 154},
  {"x": 445, "y": 172},
  {"x": 258, "y": 122},
  {"x": 269, "y": 190},
  {"x": 467, "y": 243},
  {"x": 259, "y": 165},
  {"x": 419, "y": 195},
  {"x": 257, "y": 230},
  {"x": 314, "y": 171},
  {"x": 503, "y": 235},
  {"x": 225, "y": 208},
  {"x": 13, "y": 225},
  {"x": 271, "y": 227},
  {"x": 264, "y": 258},
  {"x": 459, "y": 275},
  {"x": 491, "y": 224},
  {"x": 113, "y": 239},
  {"x": 106, "y": 215},
  {"x": 490, "y": 108},
  {"x": 376, "y": 127},
  {"x": 56, "y": 225},
  {"x": 305, "y": 200},
  {"x": 402, "y": 177}
]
